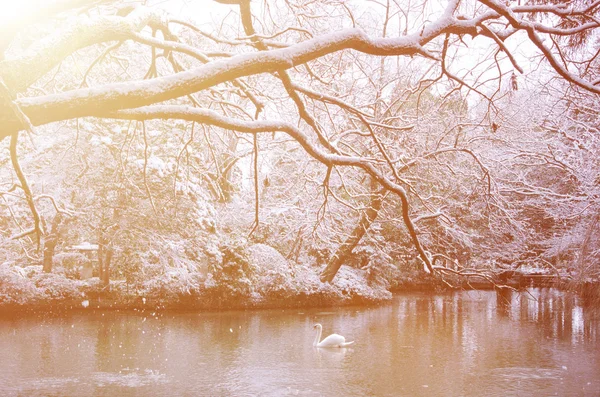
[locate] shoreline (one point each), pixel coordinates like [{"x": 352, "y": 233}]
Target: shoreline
[{"x": 99, "y": 300}]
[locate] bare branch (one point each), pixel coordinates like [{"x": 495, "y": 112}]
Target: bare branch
[{"x": 254, "y": 127}]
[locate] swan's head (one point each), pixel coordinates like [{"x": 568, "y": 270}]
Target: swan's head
[{"x": 317, "y": 326}]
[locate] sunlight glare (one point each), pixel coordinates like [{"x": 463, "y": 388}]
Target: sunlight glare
[{"x": 12, "y": 11}]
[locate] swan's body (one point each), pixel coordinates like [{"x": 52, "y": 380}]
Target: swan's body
[{"x": 333, "y": 340}]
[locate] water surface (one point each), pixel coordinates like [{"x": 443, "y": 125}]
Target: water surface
[{"x": 541, "y": 343}]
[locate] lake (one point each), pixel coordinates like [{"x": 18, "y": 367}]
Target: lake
[{"x": 469, "y": 343}]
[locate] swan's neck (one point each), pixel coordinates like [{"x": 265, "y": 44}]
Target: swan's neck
[{"x": 318, "y": 337}]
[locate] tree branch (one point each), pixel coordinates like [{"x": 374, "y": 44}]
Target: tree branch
[
  {"x": 111, "y": 97},
  {"x": 209, "y": 117}
]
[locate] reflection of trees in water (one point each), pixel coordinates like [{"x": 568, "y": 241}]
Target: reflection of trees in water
[
  {"x": 455, "y": 344},
  {"x": 471, "y": 331},
  {"x": 46, "y": 355},
  {"x": 459, "y": 336},
  {"x": 410, "y": 341},
  {"x": 221, "y": 347},
  {"x": 119, "y": 344},
  {"x": 559, "y": 315},
  {"x": 536, "y": 334},
  {"x": 129, "y": 342},
  {"x": 504, "y": 298},
  {"x": 103, "y": 346}
]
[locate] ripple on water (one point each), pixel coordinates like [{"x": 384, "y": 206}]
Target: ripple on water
[
  {"x": 528, "y": 373},
  {"x": 134, "y": 379}
]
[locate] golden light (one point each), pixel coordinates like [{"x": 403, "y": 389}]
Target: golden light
[{"x": 13, "y": 12}]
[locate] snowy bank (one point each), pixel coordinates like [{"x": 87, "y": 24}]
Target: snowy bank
[{"x": 257, "y": 276}]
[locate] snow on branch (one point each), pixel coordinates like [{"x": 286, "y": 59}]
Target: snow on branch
[
  {"x": 209, "y": 117},
  {"x": 532, "y": 30},
  {"x": 111, "y": 97},
  {"x": 20, "y": 72}
]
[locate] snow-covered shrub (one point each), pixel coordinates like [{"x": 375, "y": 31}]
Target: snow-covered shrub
[
  {"x": 377, "y": 264},
  {"x": 232, "y": 275},
  {"x": 353, "y": 284},
  {"x": 70, "y": 263},
  {"x": 70, "y": 260},
  {"x": 31, "y": 285},
  {"x": 277, "y": 281},
  {"x": 128, "y": 265},
  {"x": 10, "y": 251},
  {"x": 320, "y": 254},
  {"x": 273, "y": 274},
  {"x": 272, "y": 267},
  {"x": 171, "y": 285},
  {"x": 56, "y": 286},
  {"x": 15, "y": 286},
  {"x": 350, "y": 285}
]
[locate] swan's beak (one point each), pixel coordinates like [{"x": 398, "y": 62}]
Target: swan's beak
[{"x": 314, "y": 327}]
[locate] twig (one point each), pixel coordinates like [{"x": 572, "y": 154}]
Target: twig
[
  {"x": 6, "y": 97},
  {"x": 148, "y": 192},
  {"x": 256, "y": 187}
]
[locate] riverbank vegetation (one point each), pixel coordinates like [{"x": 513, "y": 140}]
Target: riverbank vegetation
[{"x": 289, "y": 153}]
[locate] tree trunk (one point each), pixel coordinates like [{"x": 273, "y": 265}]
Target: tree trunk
[
  {"x": 345, "y": 250},
  {"x": 106, "y": 271},
  {"x": 584, "y": 250},
  {"x": 106, "y": 240},
  {"x": 101, "y": 243},
  {"x": 105, "y": 254},
  {"x": 50, "y": 243}
]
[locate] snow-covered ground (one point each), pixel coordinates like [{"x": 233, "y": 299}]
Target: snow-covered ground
[{"x": 269, "y": 280}]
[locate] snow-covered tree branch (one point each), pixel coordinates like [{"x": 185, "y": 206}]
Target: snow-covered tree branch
[{"x": 421, "y": 99}]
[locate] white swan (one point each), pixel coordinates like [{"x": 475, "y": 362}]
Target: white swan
[{"x": 333, "y": 340}]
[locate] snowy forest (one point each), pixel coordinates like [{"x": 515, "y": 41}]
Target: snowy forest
[{"x": 265, "y": 152}]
